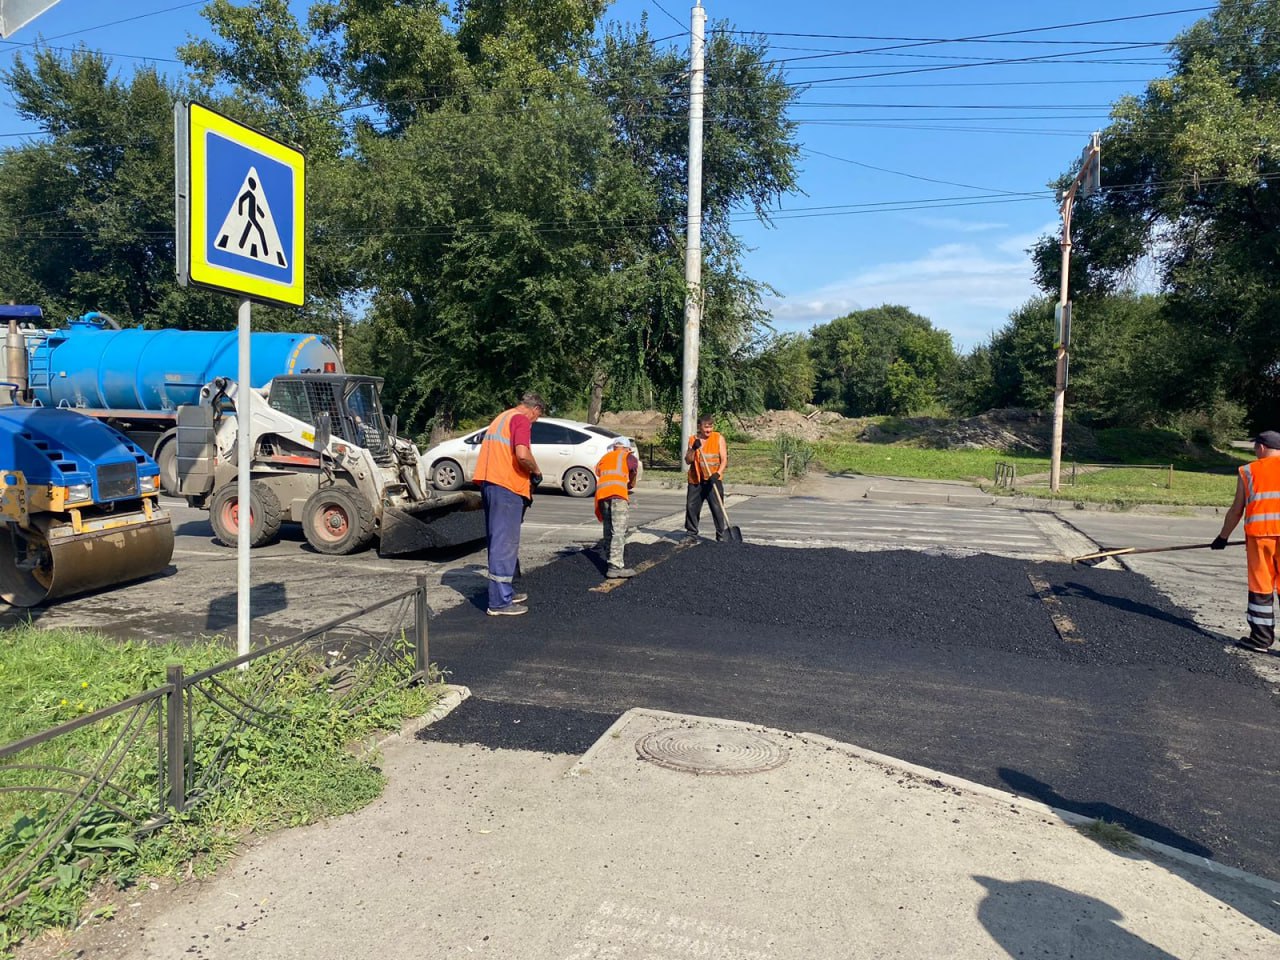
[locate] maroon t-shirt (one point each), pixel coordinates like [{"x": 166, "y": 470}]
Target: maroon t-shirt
[{"x": 520, "y": 428}]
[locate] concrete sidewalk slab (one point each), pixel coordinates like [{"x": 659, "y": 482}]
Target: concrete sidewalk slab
[{"x": 835, "y": 853}]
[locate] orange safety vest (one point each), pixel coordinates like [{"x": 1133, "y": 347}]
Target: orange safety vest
[
  {"x": 612, "y": 478},
  {"x": 497, "y": 461},
  {"x": 711, "y": 457},
  {"x": 1262, "y": 497}
]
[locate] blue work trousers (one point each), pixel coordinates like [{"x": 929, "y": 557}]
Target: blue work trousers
[{"x": 503, "y": 514}]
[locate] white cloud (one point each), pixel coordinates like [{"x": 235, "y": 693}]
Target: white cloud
[
  {"x": 966, "y": 289},
  {"x": 955, "y": 224}
]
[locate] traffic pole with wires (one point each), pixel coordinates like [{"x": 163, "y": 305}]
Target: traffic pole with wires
[{"x": 1087, "y": 181}]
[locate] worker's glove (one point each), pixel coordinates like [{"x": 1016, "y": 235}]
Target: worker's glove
[
  {"x": 1219, "y": 543},
  {"x": 714, "y": 477},
  {"x": 535, "y": 479},
  {"x": 696, "y": 445}
]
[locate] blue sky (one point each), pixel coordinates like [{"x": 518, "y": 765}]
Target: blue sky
[{"x": 916, "y": 155}]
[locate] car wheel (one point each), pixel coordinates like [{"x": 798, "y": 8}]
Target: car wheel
[
  {"x": 338, "y": 520},
  {"x": 447, "y": 475},
  {"x": 264, "y": 515},
  {"x": 579, "y": 482}
]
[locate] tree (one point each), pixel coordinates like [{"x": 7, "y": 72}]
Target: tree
[
  {"x": 1188, "y": 174},
  {"x": 883, "y": 360},
  {"x": 786, "y": 372}
]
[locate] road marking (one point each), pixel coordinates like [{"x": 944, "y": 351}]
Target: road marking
[
  {"x": 610, "y": 585},
  {"x": 1061, "y": 622}
]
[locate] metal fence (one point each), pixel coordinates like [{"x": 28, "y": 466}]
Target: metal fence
[{"x": 170, "y": 747}]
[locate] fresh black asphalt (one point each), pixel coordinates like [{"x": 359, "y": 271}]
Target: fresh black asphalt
[{"x": 953, "y": 663}]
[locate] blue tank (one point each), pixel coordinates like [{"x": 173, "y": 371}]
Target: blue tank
[{"x": 88, "y": 365}]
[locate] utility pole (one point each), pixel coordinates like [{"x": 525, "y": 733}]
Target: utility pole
[
  {"x": 1087, "y": 180},
  {"x": 693, "y": 244}
]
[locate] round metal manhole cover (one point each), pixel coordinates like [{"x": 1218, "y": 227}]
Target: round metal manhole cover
[{"x": 703, "y": 750}]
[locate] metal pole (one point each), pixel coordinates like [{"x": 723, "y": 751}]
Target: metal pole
[
  {"x": 244, "y": 485},
  {"x": 175, "y": 740},
  {"x": 420, "y": 615},
  {"x": 693, "y": 246},
  {"x": 1060, "y": 374}
]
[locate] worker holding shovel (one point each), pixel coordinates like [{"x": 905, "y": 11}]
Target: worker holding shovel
[
  {"x": 707, "y": 458},
  {"x": 1258, "y": 502}
]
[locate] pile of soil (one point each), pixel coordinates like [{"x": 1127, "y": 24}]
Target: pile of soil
[{"x": 1012, "y": 430}]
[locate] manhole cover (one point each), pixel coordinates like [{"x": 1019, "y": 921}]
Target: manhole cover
[{"x": 703, "y": 750}]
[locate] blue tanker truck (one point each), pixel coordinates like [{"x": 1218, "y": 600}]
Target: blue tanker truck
[{"x": 135, "y": 379}]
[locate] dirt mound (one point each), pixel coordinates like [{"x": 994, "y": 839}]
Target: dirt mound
[{"x": 1013, "y": 430}]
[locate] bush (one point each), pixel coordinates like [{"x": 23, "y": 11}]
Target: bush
[
  {"x": 791, "y": 455},
  {"x": 1215, "y": 426}
]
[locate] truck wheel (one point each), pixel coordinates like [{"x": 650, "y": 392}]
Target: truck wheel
[
  {"x": 264, "y": 515},
  {"x": 338, "y": 520},
  {"x": 447, "y": 475},
  {"x": 167, "y": 460},
  {"x": 579, "y": 482}
]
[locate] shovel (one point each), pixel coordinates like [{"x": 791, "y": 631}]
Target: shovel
[
  {"x": 732, "y": 534},
  {"x": 1093, "y": 559}
]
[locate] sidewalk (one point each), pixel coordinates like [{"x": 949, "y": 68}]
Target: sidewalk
[{"x": 834, "y": 853}]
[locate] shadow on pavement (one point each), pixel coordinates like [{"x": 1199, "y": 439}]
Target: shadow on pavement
[
  {"x": 264, "y": 598},
  {"x": 1263, "y": 909},
  {"x": 1030, "y": 918},
  {"x": 1074, "y": 589}
]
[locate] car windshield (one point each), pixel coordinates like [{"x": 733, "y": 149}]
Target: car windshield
[{"x": 601, "y": 431}]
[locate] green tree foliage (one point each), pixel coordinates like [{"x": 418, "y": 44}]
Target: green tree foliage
[
  {"x": 883, "y": 360},
  {"x": 787, "y": 372},
  {"x": 1188, "y": 173}
]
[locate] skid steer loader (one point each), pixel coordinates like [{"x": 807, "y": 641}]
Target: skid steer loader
[{"x": 323, "y": 456}]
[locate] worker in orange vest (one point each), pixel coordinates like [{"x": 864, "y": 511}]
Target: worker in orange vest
[
  {"x": 615, "y": 479},
  {"x": 507, "y": 474},
  {"x": 1258, "y": 501},
  {"x": 707, "y": 458}
]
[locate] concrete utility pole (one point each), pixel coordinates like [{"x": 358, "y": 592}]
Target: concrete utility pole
[
  {"x": 1087, "y": 180},
  {"x": 693, "y": 245}
]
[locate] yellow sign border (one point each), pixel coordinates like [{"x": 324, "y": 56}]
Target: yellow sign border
[{"x": 202, "y": 120}]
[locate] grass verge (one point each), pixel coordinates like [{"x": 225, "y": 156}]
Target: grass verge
[{"x": 293, "y": 767}]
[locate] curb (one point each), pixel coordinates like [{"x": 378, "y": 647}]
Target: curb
[{"x": 449, "y": 701}]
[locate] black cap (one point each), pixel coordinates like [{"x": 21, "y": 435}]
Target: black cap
[{"x": 1269, "y": 439}]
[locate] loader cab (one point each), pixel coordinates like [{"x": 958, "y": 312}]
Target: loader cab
[{"x": 353, "y": 402}]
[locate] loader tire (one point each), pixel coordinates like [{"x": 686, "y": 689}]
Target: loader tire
[
  {"x": 338, "y": 521},
  {"x": 264, "y": 515}
]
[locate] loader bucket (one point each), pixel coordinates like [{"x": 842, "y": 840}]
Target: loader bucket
[
  {"x": 57, "y": 562},
  {"x": 448, "y": 520}
]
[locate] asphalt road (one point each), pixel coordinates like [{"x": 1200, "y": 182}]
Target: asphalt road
[
  {"x": 914, "y": 630},
  {"x": 1134, "y": 713}
]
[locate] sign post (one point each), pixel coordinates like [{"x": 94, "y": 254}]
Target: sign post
[{"x": 240, "y": 216}]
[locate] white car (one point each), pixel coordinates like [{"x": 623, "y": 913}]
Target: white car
[{"x": 566, "y": 450}]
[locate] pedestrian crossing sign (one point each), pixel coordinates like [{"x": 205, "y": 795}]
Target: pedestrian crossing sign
[{"x": 240, "y": 208}]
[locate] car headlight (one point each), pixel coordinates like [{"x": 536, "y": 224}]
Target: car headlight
[
  {"x": 149, "y": 484},
  {"x": 79, "y": 492}
]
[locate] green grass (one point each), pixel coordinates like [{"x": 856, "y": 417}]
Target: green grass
[
  {"x": 293, "y": 768},
  {"x": 1124, "y": 486},
  {"x": 1200, "y": 478}
]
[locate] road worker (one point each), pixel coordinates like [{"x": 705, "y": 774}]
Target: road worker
[
  {"x": 507, "y": 474},
  {"x": 1258, "y": 502},
  {"x": 707, "y": 457},
  {"x": 615, "y": 479}
]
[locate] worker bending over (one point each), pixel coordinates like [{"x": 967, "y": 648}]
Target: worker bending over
[
  {"x": 615, "y": 479},
  {"x": 1258, "y": 501}
]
